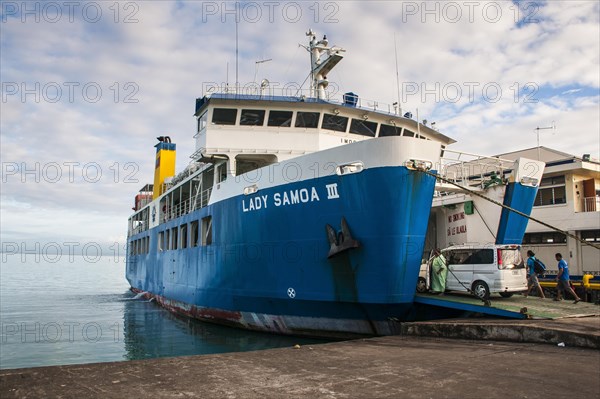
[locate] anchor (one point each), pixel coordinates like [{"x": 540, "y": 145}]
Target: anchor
[{"x": 342, "y": 241}]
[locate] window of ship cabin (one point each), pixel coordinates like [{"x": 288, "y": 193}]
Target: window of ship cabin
[
  {"x": 552, "y": 191},
  {"x": 280, "y": 118},
  {"x": 174, "y": 238},
  {"x": 307, "y": 119},
  {"x": 221, "y": 172},
  {"x": 167, "y": 239},
  {"x": 194, "y": 233},
  {"x": 203, "y": 120},
  {"x": 207, "y": 230},
  {"x": 364, "y": 128},
  {"x": 224, "y": 116},
  {"x": 408, "y": 133},
  {"x": 183, "y": 235},
  {"x": 161, "y": 242},
  {"x": 389, "y": 130},
  {"x": 252, "y": 117},
  {"x": 334, "y": 122}
]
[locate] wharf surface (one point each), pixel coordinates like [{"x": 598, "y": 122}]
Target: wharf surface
[{"x": 382, "y": 367}]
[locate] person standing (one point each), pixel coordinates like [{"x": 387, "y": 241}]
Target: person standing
[
  {"x": 439, "y": 272},
  {"x": 532, "y": 279},
  {"x": 562, "y": 279}
]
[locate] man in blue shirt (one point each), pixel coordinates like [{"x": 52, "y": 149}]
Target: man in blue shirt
[
  {"x": 532, "y": 280},
  {"x": 562, "y": 279}
]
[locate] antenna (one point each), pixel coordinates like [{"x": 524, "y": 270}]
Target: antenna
[
  {"x": 537, "y": 131},
  {"x": 256, "y": 64},
  {"x": 397, "y": 75},
  {"x": 236, "y": 50}
]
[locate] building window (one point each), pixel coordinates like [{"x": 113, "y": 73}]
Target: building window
[
  {"x": 389, "y": 130},
  {"x": 552, "y": 191},
  {"x": 307, "y": 119},
  {"x": 280, "y": 118},
  {"x": 224, "y": 116},
  {"x": 590, "y": 235},
  {"x": 334, "y": 122},
  {"x": 207, "y": 230},
  {"x": 252, "y": 117},
  {"x": 364, "y": 128},
  {"x": 544, "y": 238}
]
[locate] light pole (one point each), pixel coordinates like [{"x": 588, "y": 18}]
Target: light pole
[{"x": 537, "y": 130}]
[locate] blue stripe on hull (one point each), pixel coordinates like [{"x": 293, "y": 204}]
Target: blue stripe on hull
[
  {"x": 257, "y": 255},
  {"x": 511, "y": 228}
]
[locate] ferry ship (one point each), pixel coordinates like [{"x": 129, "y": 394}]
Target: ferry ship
[{"x": 297, "y": 215}]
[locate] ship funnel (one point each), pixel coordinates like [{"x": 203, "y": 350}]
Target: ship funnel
[{"x": 164, "y": 166}]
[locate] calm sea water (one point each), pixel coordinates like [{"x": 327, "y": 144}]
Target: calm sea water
[{"x": 78, "y": 311}]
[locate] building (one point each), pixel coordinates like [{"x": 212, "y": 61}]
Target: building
[{"x": 568, "y": 198}]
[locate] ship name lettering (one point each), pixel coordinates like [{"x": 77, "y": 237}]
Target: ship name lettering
[
  {"x": 255, "y": 203},
  {"x": 295, "y": 197}
]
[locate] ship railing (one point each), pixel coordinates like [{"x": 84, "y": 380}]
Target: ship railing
[
  {"x": 471, "y": 171},
  {"x": 293, "y": 93},
  {"x": 189, "y": 205}
]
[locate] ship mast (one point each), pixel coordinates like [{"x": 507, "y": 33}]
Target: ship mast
[{"x": 320, "y": 68}]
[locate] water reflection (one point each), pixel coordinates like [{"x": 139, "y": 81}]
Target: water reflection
[{"x": 151, "y": 331}]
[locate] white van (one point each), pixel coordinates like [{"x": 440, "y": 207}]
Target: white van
[{"x": 482, "y": 269}]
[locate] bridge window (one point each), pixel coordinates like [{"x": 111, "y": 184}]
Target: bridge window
[
  {"x": 389, "y": 130},
  {"x": 203, "y": 120},
  {"x": 280, "y": 118},
  {"x": 224, "y": 116},
  {"x": 362, "y": 127},
  {"x": 552, "y": 191},
  {"x": 334, "y": 122},
  {"x": 307, "y": 119},
  {"x": 252, "y": 117},
  {"x": 408, "y": 133}
]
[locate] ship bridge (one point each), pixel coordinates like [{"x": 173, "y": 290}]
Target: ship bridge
[{"x": 252, "y": 131}]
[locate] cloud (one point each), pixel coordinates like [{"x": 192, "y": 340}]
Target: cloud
[{"x": 487, "y": 72}]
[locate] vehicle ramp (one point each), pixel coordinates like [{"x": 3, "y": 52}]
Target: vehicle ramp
[{"x": 515, "y": 307}]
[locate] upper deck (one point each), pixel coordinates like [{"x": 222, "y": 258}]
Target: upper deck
[{"x": 266, "y": 129}]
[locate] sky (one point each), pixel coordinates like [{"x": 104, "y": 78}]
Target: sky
[{"x": 88, "y": 86}]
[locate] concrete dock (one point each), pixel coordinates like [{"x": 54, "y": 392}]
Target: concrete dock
[{"x": 382, "y": 367}]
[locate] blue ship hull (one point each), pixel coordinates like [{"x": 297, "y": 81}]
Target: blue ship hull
[{"x": 268, "y": 266}]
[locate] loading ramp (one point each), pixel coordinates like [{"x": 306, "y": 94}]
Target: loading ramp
[{"x": 515, "y": 307}]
